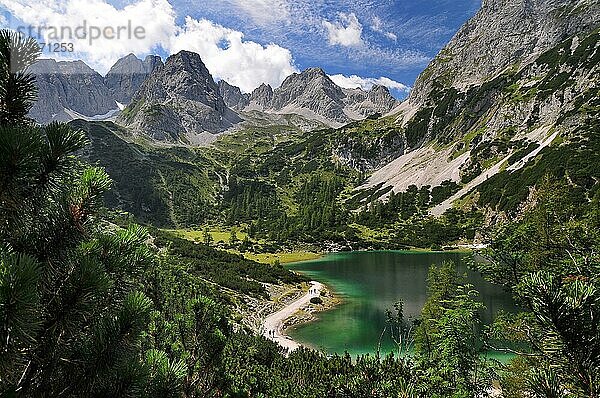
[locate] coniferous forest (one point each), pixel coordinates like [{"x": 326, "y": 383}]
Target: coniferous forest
[{"x": 93, "y": 304}]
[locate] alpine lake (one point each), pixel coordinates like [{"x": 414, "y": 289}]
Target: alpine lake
[{"x": 369, "y": 283}]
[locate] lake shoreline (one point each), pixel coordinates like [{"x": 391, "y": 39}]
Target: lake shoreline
[
  {"x": 300, "y": 311},
  {"x": 309, "y": 313},
  {"x": 370, "y": 282}
]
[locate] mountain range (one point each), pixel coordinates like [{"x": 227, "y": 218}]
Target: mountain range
[
  {"x": 518, "y": 77},
  {"x": 179, "y": 101},
  {"x": 314, "y": 95},
  {"x": 514, "y": 96}
]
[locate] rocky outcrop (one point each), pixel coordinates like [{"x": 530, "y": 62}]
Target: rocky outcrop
[
  {"x": 179, "y": 101},
  {"x": 233, "y": 96},
  {"x": 311, "y": 91},
  {"x": 261, "y": 98},
  {"x": 502, "y": 34},
  {"x": 127, "y": 75},
  {"x": 362, "y": 103},
  {"x": 517, "y": 76},
  {"x": 165, "y": 100},
  {"x": 66, "y": 88},
  {"x": 313, "y": 94},
  {"x": 69, "y": 90}
]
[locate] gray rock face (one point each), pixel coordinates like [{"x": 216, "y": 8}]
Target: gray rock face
[
  {"x": 313, "y": 94},
  {"x": 517, "y": 76},
  {"x": 180, "y": 96},
  {"x": 501, "y": 34},
  {"x": 127, "y": 75},
  {"x": 261, "y": 97},
  {"x": 233, "y": 96},
  {"x": 179, "y": 101},
  {"x": 362, "y": 103},
  {"x": 380, "y": 96},
  {"x": 310, "y": 90},
  {"x": 73, "y": 86}
]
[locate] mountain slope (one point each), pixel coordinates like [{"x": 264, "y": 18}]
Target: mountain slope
[
  {"x": 464, "y": 126},
  {"x": 314, "y": 95},
  {"x": 66, "y": 88},
  {"x": 179, "y": 102},
  {"x": 70, "y": 90},
  {"x": 127, "y": 75},
  {"x": 233, "y": 96},
  {"x": 162, "y": 186},
  {"x": 504, "y": 33}
]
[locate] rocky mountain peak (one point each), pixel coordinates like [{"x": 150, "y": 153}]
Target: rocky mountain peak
[
  {"x": 233, "y": 96},
  {"x": 129, "y": 59},
  {"x": 312, "y": 93},
  {"x": 151, "y": 61},
  {"x": 379, "y": 91},
  {"x": 381, "y": 96},
  {"x": 314, "y": 77},
  {"x": 185, "y": 74},
  {"x": 68, "y": 88},
  {"x": 501, "y": 34},
  {"x": 127, "y": 75},
  {"x": 179, "y": 101},
  {"x": 48, "y": 66},
  {"x": 186, "y": 60},
  {"x": 314, "y": 73},
  {"x": 261, "y": 97}
]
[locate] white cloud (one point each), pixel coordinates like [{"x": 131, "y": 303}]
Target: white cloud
[
  {"x": 377, "y": 26},
  {"x": 391, "y": 36},
  {"x": 228, "y": 56},
  {"x": 366, "y": 83},
  {"x": 226, "y": 52},
  {"x": 264, "y": 11},
  {"x": 346, "y": 32},
  {"x": 59, "y": 20}
]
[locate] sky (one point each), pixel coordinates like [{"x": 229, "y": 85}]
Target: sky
[{"x": 248, "y": 42}]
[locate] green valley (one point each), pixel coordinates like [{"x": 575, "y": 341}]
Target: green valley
[{"x": 166, "y": 233}]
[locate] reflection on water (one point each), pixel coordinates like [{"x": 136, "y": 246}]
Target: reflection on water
[{"x": 369, "y": 283}]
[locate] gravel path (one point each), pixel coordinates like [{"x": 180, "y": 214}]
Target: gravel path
[{"x": 272, "y": 327}]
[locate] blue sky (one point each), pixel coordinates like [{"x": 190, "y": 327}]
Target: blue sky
[
  {"x": 251, "y": 41},
  {"x": 399, "y": 36}
]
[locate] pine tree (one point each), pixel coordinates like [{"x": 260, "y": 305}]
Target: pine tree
[
  {"x": 207, "y": 236},
  {"x": 70, "y": 315},
  {"x": 233, "y": 239}
]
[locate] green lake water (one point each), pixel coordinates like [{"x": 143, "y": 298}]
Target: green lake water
[{"x": 369, "y": 283}]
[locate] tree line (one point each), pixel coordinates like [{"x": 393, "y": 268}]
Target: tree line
[{"x": 91, "y": 308}]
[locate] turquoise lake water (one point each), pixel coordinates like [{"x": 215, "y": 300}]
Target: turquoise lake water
[{"x": 369, "y": 283}]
